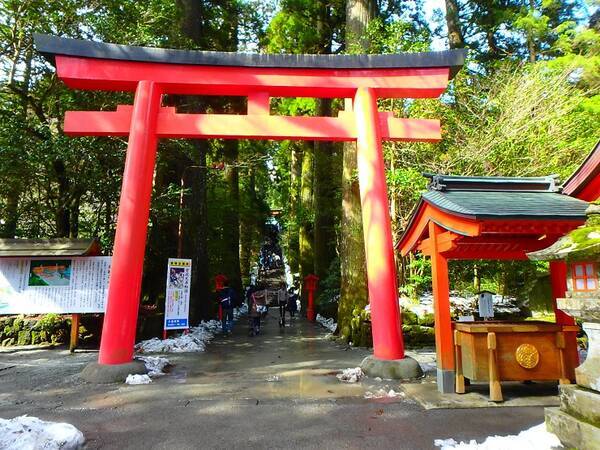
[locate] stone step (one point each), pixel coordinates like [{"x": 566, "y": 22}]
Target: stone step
[
  {"x": 580, "y": 402},
  {"x": 572, "y": 432}
]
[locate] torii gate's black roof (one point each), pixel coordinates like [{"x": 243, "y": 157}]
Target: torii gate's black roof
[{"x": 50, "y": 46}]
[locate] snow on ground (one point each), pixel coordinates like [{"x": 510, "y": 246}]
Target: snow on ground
[
  {"x": 460, "y": 304},
  {"x": 351, "y": 375},
  {"x": 138, "y": 379},
  {"x": 426, "y": 357},
  {"x": 154, "y": 364},
  {"x": 31, "y": 433},
  {"x": 535, "y": 438},
  {"x": 382, "y": 393},
  {"x": 326, "y": 323},
  {"x": 194, "y": 341}
]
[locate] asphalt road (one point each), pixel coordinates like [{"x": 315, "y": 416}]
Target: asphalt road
[{"x": 222, "y": 399}]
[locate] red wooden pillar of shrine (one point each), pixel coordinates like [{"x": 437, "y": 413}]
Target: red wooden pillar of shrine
[
  {"x": 118, "y": 334},
  {"x": 443, "y": 320},
  {"x": 377, "y": 229}
]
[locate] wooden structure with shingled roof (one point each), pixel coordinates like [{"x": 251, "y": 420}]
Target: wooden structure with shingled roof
[{"x": 494, "y": 218}]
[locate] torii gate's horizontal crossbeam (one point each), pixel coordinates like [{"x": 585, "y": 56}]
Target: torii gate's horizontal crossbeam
[
  {"x": 111, "y": 75},
  {"x": 252, "y": 126}
]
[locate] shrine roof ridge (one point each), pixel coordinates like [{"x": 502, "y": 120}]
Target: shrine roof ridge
[
  {"x": 50, "y": 46},
  {"x": 440, "y": 182}
]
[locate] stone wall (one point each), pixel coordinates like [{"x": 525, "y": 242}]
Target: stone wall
[{"x": 32, "y": 330}]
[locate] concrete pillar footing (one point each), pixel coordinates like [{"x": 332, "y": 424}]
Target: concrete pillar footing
[
  {"x": 398, "y": 369},
  {"x": 111, "y": 373}
]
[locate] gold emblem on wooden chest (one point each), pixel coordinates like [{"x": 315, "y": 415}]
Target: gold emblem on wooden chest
[{"x": 527, "y": 356}]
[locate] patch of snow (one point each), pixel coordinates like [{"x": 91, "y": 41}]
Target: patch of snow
[
  {"x": 535, "y": 438},
  {"x": 382, "y": 393},
  {"x": 154, "y": 364},
  {"x": 194, "y": 341},
  {"x": 351, "y": 375},
  {"x": 138, "y": 379},
  {"x": 326, "y": 323},
  {"x": 241, "y": 311},
  {"x": 31, "y": 433},
  {"x": 459, "y": 304}
]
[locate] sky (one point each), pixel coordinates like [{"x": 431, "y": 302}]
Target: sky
[{"x": 430, "y": 6}]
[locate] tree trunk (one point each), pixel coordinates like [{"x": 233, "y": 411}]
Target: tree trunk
[
  {"x": 63, "y": 227},
  {"x": 247, "y": 228},
  {"x": 456, "y": 38},
  {"x": 293, "y": 229},
  {"x": 324, "y": 194},
  {"x": 306, "y": 236},
  {"x": 530, "y": 39},
  {"x": 231, "y": 227},
  {"x": 11, "y": 213},
  {"x": 196, "y": 236},
  {"x": 324, "y": 234},
  {"x": 353, "y": 292}
]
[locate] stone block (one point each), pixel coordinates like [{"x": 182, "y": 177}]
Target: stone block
[
  {"x": 580, "y": 402},
  {"x": 572, "y": 432}
]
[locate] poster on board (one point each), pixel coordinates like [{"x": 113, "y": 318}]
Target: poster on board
[
  {"x": 177, "y": 299},
  {"x": 54, "y": 285}
]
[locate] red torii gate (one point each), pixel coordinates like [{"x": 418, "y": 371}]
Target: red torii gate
[{"x": 152, "y": 72}]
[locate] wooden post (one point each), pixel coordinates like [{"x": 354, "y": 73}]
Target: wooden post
[
  {"x": 495, "y": 388},
  {"x": 460, "y": 378},
  {"x": 561, "y": 345},
  {"x": 74, "y": 341},
  {"x": 443, "y": 323},
  {"x": 558, "y": 281}
]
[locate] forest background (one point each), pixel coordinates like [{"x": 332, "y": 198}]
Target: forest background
[{"x": 527, "y": 103}]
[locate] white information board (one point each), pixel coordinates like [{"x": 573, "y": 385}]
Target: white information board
[
  {"x": 60, "y": 285},
  {"x": 177, "y": 300}
]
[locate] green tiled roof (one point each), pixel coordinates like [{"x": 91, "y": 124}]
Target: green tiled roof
[
  {"x": 502, "y": 197},
  {"x": 489, "y": 204}
]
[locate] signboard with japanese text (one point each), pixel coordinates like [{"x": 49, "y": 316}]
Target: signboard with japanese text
[
  {"x": 177, "y": 300},
  {"x": 62, "y": 285}
]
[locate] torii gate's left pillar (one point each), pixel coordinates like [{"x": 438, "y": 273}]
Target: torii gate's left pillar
[{"x": 118, "y": 335}]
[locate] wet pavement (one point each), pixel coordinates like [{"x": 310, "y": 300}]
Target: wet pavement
[{"x": 277, "y": 390}]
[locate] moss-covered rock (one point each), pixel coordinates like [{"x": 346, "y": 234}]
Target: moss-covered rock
[
  {"x": 409, "y": 317},
  {"x": 427, "y": 320},
  {"x": 417, "y": 335},
  {"x": 24, "y": 337}
]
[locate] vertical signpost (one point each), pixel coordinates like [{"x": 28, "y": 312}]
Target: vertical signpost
[{"x": 177, "y": 299}]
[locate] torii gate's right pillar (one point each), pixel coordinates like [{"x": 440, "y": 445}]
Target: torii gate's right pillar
[{"x": 388, "y": 360}]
